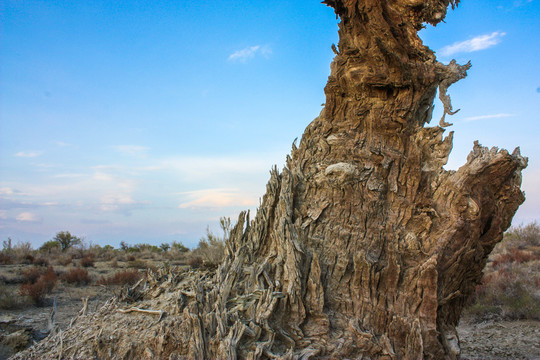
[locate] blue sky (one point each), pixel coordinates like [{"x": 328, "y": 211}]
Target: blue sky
[{"x": 144, "y": 121}]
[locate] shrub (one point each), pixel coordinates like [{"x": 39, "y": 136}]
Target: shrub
[
  {"x": 514, "y": 255},
  {"x": 165, "y": 247},
  {"x": 178, "y": 246},
  {"x": 510, "y": 287},
  {"x": 524, "y": 236},
  {"x": 108, "y": 252},
  {"x": 9, "y": 300},
  {"x": 30, "y": 275},
  {"x": 49, "y": 246},
  {"x": 131, "y": 258},
  {"x": 49, "y": 278},
  {"x": 64, "y": 260},
  {"x": 87, "y": 261},
  {"x": 211, "y": 249},
  {"x": 128, "y": 277},
  {"x": 41, "y": 261},
  {"x": 23, "y": 252},
  {"x": 77, "y": 276},
  {"x": 195, "y": 262},
  {"x": 5, "y": 258},
  {"x": 114, "y": 263},
  {"x": 27, "y": 259},
  {"x": 37, "y": 290}
]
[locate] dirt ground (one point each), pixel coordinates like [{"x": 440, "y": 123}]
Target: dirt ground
[
  {"x": 29, "y": 323},
  {"x": 25, "y": 326},
  {"x": 484, "y": 341},
  {"x": 500, "y": 340},
  {"x": 22, "y": 327}
]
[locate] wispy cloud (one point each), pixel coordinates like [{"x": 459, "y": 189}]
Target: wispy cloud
[
  {"x": 216, "y": 198},
  {"x": 29, "y": 154},
  {"x": 485, "y": 117},
  {"x": 132, "y": 150},
  {"x": 28, "y": 217},
  {"x": 519, "y": 3},
  {"x": 114, "y": 202},
  {"x": 205, "y": 168},
  {"x": 6, "y": 191},
  {"x": 68, "y": 176},
  {"x": 477, "y": 43},
  {"x": 95, "y": 221},
  {"x": 250, "y": 52},
  {"x": 50, "y": 203},
  {"x": 63, "y": 144}
]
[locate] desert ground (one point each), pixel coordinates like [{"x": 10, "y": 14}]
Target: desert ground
[{"x": 502, "y": 321}]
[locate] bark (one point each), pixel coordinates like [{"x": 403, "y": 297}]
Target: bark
[{"x": 364, "y": 246}]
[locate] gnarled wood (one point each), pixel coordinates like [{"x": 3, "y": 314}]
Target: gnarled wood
[{"x": 364, "y": 246}]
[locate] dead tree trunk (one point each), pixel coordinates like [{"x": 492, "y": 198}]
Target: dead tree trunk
[
  {"x": 363, "y": 246},
  {"x": 369, "y": 246}
]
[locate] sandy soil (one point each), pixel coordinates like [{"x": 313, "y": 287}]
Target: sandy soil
[
  {"x": 487, "y": 341},
  {"x": 31, "y": 324},
  {"x": 500, "y": 340}
]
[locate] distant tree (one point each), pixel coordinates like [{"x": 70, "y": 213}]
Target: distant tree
[
  {"x": 178, "y": 246},
  {"x": 108, "y": 248},
  {"x": 165, "y": 247},
  {"x": 66, "y": 240},
  {"x": 124, "y": 246},
  {"x": 49, "y": 246},
  {"x": 6, "y": 245}
]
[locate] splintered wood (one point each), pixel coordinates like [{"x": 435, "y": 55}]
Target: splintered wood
[{"x": 363, "y": 247}]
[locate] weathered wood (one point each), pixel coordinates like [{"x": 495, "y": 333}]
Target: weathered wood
[{"x": 363, "y": 247}]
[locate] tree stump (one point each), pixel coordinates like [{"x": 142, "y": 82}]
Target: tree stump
[
  {"x": 371, "y": 245},
  {"x": 364, "y": 247}
]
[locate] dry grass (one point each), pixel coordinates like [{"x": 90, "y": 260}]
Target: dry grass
[
  {"x": 77, "y": 276},
  {"x": 128, "y": 277},
  {"x": 10, "y": 300}
]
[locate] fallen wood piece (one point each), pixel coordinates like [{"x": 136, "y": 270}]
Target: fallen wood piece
[{"x": 144, "y": 311}]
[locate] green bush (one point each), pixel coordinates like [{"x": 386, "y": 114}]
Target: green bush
[
  {"x": 50, "y": 247},
  {"x": 66, "y": 240}
]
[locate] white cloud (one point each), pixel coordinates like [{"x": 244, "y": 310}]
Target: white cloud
[
  {"x": 28, "y": 217},
  {"x": 6, "y": 191},
  {"x": 485, "y": 117},
  {"x": 63, "y": 144},
  {"x": 29, "y": 154},
  {"x": 49, "y": 203},
  {"x": 477, "y": 43},
  {"x": 68, "y": 176},
  {"x": 212, "y": 198},
  {"x": 113, "y": 202},
  {"x": 132, "y": 150},
  {"x": 101, "y": 176},
  {"x": 250, "y": 52}
]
